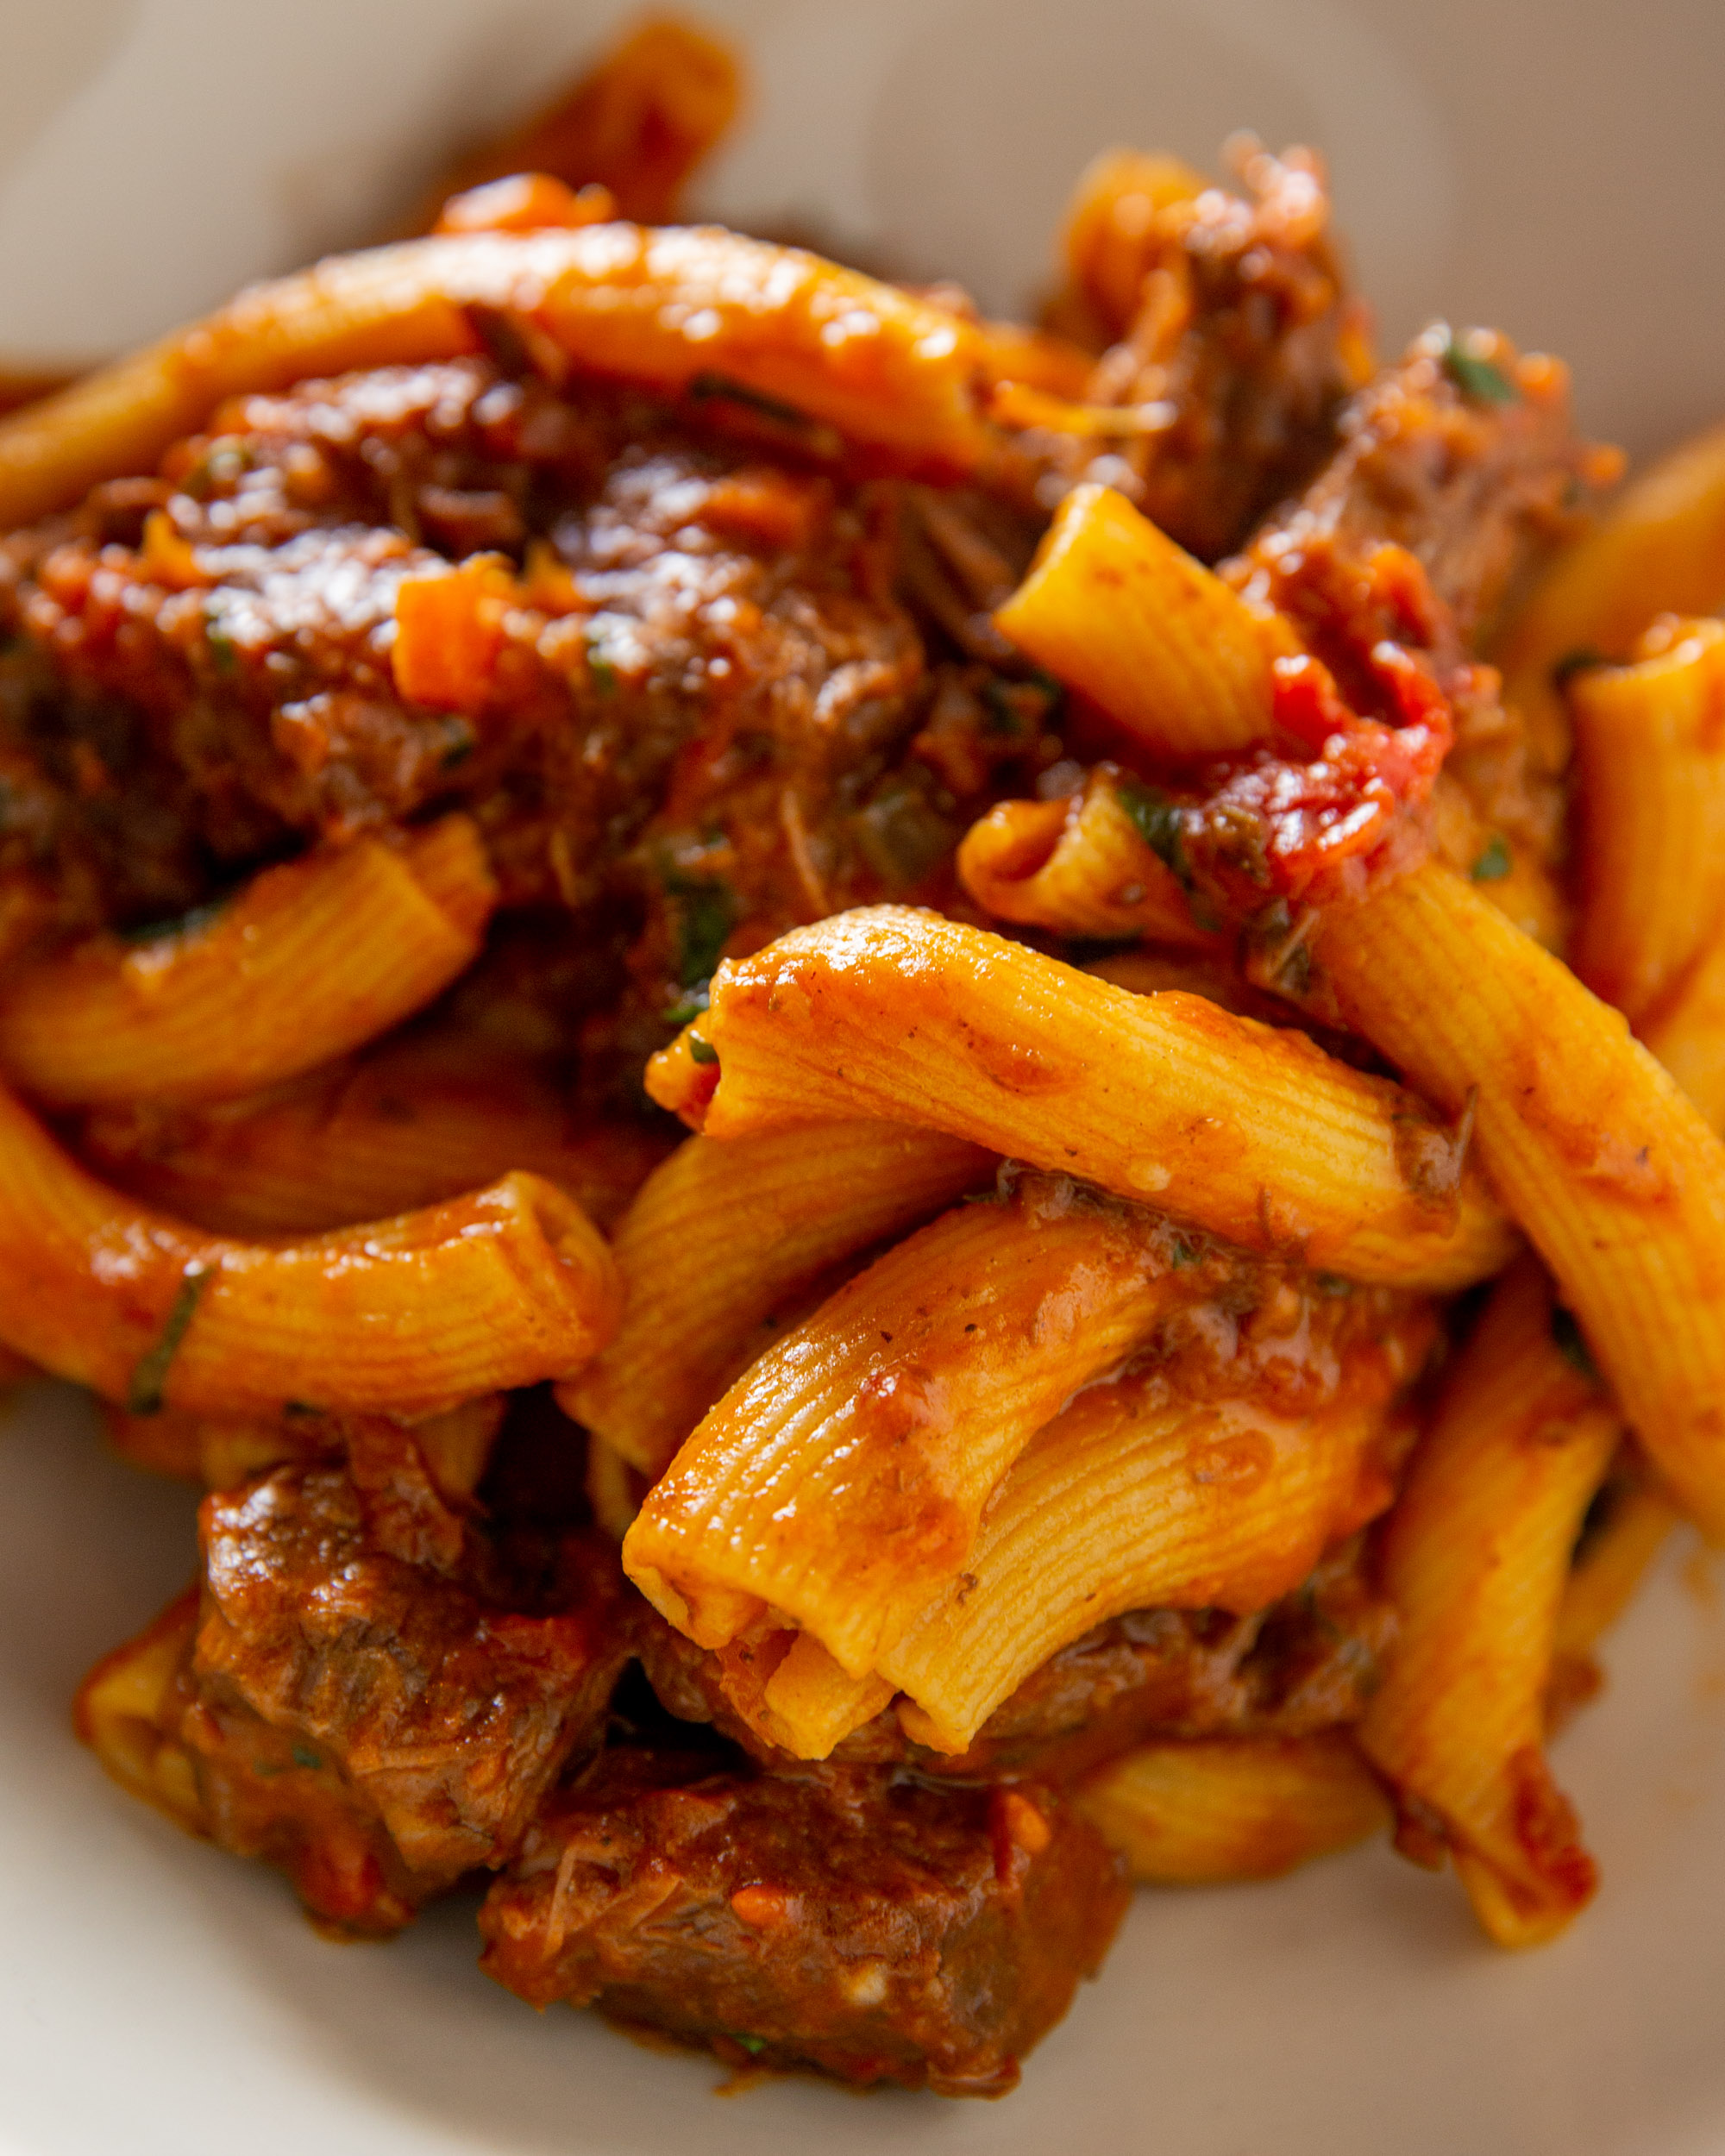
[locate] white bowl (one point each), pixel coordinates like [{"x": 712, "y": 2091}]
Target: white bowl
[{"x": 1556, "y": 170}]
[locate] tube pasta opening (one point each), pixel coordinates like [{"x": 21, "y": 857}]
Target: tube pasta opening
[
  {"x": 307, "y": 962},
  {"x": 842, "y": 1480},
  {"x": 1081, "y": 866},
  {"x": 1476, "y": 1557},
  {"x": 1121, "y": 1504},
  {"x": 1112, "y": 606},
  {"x": 717, "y": 1239},
  {"x": 1250, "y": 1132},
  {"x": 500, "y": 1288},
  {"x": 1615, "y": 1178},
  {"x": 1660, "y": 550},
  {"x": 1201, "y": 1811}
]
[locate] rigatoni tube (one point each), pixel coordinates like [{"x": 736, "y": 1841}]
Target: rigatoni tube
[
  {"x": 1248, "y": 1131},
  {"x": 1174, "y": 655},
  {"x": 1477, "y": 1559},
  {"x": 308, "y": 961},
  {"x": 1612, "y": 1173},
  {"x": 503, "y": 1288},
  {"x": 721, "y": 1235}
]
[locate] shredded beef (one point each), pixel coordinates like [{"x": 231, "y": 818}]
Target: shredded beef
[{"x": 857, "y": 1921}]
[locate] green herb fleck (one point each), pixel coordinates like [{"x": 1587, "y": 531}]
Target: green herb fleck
[
  {"x": 706, "y": 913},
  {"x": 1571, "y": 1346},
  {"x": 1482, "y": 381},
  {"x": 1001, "y": 716},
  {"x": 687, "y": 1008},
  {"x": 1333, "y": 1284},
  {"x": 1577, "y": 662},
  {"x": 601, "y": 671},
  {"x": 702, "y": 1051},
  {"x": 460, "y": 741},
  {"x": 1494, "y": 864},
  {"x": 144, "y": 1394},
  {"x": 903, "y": 836},
  {"x": 1182, "y": 1255},
  {"x": 753, "y": 2044},
  {"x": 706, "y": 386},
  {"x": 224, "y": 653},
  {"x": 1157, "y": 822},
  {"x": 303, "y": 1755},
  {"x": 184, "y": 925}
]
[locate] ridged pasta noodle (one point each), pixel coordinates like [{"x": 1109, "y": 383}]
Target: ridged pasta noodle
[
  {"x": 717, "y": 1239},
  {"x": 410, "y": 1125},
  {"x": 1200, "y": 1811},
  {"x": 1615, "y": 1178},
  {"x": 1650, "y": 770},
  {"x": 1248, "y": 1131},
  {"x": 1660, "y": 550},
  {"x": 842, "y": 1480},
  {"x": 1129, "y": 1500},
  {"x": 1112, "y": 606},
  {"x": 1081, "y": 866},
  {"x": 1687, "y": 1033},
  {"x": 503, "y": 1288},
  {"x": 659, "y": 307},
  {"x": 308, "y": 961},
  {"x": 1476, "y": 1557}
]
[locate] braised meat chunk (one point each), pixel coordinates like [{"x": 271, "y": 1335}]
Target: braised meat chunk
[
  {"x": 360, "y": 1698},
  {"x": 844, "y": 1918}
]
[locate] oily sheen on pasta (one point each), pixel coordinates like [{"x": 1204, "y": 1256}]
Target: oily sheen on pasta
[{"x": 905, "y": 1114}]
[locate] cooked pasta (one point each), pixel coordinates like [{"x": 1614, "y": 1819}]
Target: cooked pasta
[
  {"x": 1034, "y": 802},
  {"x": 1617, "y": 1181},
  {"x": 719, "y": 1240},
  {"x": 505, "y": 1287},
  {"x": 311, "y": 960},
  {"x": 1477, "y": 1558},
  {"x": 1200, "y": 1811},
  {"x": 1244, "y": 1130}
]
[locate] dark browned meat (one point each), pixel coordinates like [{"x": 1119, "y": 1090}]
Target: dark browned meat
[
  {"x": 360, "y": 1712},
  {"x": 1231, "y": 327},
  {"x": 848, "y": 1919},
  {"x": 698, "y": 711},
  {"x": 1308, "y": 1662}
]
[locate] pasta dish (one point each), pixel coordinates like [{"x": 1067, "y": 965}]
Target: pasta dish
[{"x": 907, "y": 1114}]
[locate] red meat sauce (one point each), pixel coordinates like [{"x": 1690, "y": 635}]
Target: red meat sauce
[
  {"x": 694, "y": 676},
  {"x": 700, "y": 677}
]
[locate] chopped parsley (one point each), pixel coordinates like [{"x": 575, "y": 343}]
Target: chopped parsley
[
  {"x": 753, "y": 2044},
  {"x": 1182, "y": 1255},
  {"x": 1483, "y": 381},
  {"x": 706, "y": 914},
  {"x": 224, "y": 653},
  {"x": 1494, "y": 863},
  {"x": 1571, "y": 1344},
  {"x": 303, "y": 1755},
  {"x": 702, "y": 1051},
  {"x": 688, "y": 1007},
  {"x": 903, "y": 836},
  {"x": 149, "y": 1379},
  {"x": 1157, "y": 822},
  {"x": 601, "y": 671}
]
